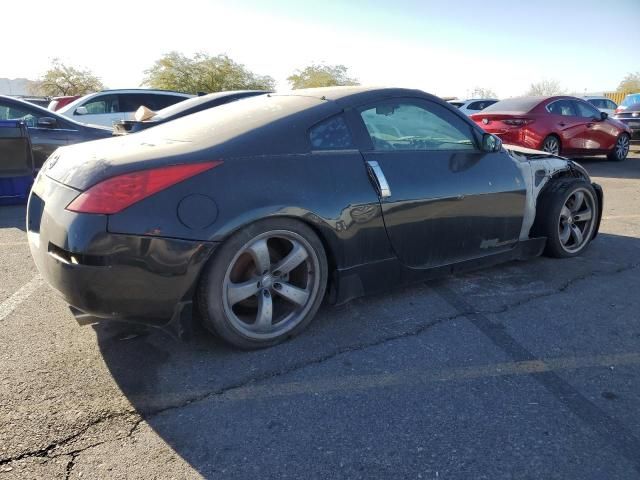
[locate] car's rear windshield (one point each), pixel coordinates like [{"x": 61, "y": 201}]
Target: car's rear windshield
[
  {"x": 514, "y": 105},
  {"x": 631, "y": 99}
]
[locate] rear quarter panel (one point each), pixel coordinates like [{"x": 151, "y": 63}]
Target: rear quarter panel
[{"x": 330, "y": 191}]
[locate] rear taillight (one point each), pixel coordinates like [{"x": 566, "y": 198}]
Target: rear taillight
[
  {"x": 117, "y": 193},
  {"x": 619, "y": 109},
  {"x": 518, "y": 122}
]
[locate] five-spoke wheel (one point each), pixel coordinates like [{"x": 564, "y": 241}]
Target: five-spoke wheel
[
  {"x": 265, "y": 284},
  {"x": 567, "y": 215}
]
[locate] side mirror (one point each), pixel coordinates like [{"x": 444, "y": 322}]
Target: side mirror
[
  {"x": 604, "y": 115},
  {"x": 47, "y": 122},
  {"x": 81, "y": 111},
  {"x": 491, "y": 143}
]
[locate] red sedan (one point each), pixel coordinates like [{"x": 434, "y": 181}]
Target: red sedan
[{"x": 559, "y": 125}]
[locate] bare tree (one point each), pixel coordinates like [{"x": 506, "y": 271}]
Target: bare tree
[
  {"x": 546, "y": 88},
  {"x": 480, "y": 92}
]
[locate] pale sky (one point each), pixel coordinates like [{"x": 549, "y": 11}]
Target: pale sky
[{"x": 441, "y": 46}]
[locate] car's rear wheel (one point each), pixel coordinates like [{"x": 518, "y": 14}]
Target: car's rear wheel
[
  {"x": 567, "y": 215},
  {"x": 621, "y": 148},
  {"x": 264, "y": 284},
  {"x": 551, "y": 144}
]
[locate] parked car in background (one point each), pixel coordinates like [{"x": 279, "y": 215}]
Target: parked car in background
[
  {"x": 48, "y": 130},
  {"x": 628, "y": 112},
  {"x": 110, "y": 106},
  {"x": 36, "y": 100},
  {"x": 473, "y": 105},
  {"x": 560, "y": 125},
  {"x": 249, "y": 212},
  {"x": 181, "y": 109},
  {"x": 603, "y": 104},
  {"x": 57, "y": 103}
]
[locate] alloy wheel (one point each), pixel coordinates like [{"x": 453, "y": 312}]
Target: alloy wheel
[
  {"x": 271, "y": 284},
  {"x": 551, "y": 145},
  {"x": 622, "y": 147},
  {"x": 577, "y": 220}
]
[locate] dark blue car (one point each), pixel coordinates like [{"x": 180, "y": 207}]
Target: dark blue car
[{"x": 47, "y": 129}]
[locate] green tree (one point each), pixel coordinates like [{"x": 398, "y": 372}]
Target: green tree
[
  {"x": 630, "y": 83},
  {"x": 62, "y": 79},
  {"x": 317, "y": 75},
  {"x": 480, "y": 92},
  {"x": 203, "y": 73},
  {"x": 545, "y": 88}
]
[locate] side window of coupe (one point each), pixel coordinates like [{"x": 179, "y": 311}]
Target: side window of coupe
[
  {"x": 331, "y": 134},
  {"x": 404, "y": 125}
]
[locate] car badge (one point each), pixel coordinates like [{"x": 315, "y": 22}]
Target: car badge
[
  {"x": 635, "y": 114},
  {"x": 51, "y": 162}
]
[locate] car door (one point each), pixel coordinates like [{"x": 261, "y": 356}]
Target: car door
[
  {"x": 443, "y": 199},
  {"x": 599, "y": 135},
  {"x": 572, "y": 129},
  {"x": 44, "y": 140}
]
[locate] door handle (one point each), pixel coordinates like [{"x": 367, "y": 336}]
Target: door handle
[
  {"x": 589, "y": 125},
  {"x": 562, "y": 124},
  {"x": 380, "y": 179}
]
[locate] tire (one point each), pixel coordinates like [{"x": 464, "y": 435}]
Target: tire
[
  {"x": 559, "y": 217},
  {"x": 551, "y": 144},
  {"x": 620, "y": 149},
  {"x": 253, "y": 299}
]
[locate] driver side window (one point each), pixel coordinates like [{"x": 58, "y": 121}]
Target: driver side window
[
  {"x": 587, "y": 111},
  {"x": 408, "y": 125}
]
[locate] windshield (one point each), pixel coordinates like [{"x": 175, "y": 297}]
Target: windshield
[
  {"x": 631, "y": 100},
  {"x": 514, "y": 105}
]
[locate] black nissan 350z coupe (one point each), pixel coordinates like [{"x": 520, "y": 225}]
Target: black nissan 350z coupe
[{"x": 254, "y": 212}]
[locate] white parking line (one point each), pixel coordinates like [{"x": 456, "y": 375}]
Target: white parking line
[
  {"x": 11, "y": 244},
  {"x": 11, "y": 303}
]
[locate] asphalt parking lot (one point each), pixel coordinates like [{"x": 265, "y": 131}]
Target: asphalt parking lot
[{"x": 529, "y": 370}]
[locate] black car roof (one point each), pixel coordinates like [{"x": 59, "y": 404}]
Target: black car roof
[{"x": 353, "y": 95}]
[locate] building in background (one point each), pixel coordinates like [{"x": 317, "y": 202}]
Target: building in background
[{"x": 15, "y": 86}]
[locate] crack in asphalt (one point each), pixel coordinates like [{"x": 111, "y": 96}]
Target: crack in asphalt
[{"x": 45, "y": 452}]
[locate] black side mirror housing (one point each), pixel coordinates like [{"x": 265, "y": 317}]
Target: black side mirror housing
[
  {"x": 47, "y": 122},
  {"x": 604, "y": 115},
  {"x": 491, "y": 143}
]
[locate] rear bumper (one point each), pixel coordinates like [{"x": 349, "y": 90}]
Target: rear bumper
[{"x": 123, "y": 277}]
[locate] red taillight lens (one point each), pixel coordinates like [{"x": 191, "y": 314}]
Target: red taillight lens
[
  {"x": 117, "y": 193},
  {"x": 518, "y": 122}
]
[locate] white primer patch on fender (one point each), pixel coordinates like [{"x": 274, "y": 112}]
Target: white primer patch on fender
[{"x": 529, "y": 166}]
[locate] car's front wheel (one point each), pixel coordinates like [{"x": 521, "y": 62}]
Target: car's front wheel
[
  {"x": 264, "y": 284},
  {"x": 567, "y": 215},
  {"x": 621, "y": 148}
]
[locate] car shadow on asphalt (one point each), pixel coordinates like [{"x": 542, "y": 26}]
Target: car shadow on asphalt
[{"x": 159, "y": 374}]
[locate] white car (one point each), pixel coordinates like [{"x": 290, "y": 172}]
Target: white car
[
  {"x": 603, "y": 104},
  {"x": 473, "y": 105},
  {"x": 111, "y": 106}
]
